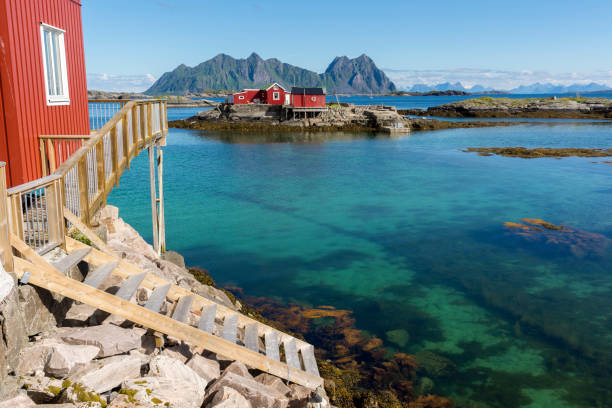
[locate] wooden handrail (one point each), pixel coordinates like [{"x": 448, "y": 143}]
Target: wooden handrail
[
  {"x": 6, "y": 253},
  {"x": 77, "y": 137}
]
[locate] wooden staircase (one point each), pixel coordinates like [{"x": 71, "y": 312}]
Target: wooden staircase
[{"x": 241, "y": 338}]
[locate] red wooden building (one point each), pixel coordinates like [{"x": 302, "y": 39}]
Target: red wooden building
[
  {"x": 274, "y": 94},
  {"x": 308, "y": 97},
  {"x": 43, "y": 85}
]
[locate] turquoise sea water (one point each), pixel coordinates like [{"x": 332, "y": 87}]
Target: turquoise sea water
[{"x": 408, "y": 233}]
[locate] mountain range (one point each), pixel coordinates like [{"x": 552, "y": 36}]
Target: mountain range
[
  {"x": 536, "y": 88},
  {"x": 223, "y": 72}
]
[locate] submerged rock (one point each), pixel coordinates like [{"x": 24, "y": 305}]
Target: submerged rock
[{"x": 434, "y": 365}]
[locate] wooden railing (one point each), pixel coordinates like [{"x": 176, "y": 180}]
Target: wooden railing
[
  {"x": 82, "y": 179},
  {"x": 102, "y": 110}
]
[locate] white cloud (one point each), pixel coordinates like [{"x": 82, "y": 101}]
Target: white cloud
[
  {"x": 119, "y": 83},
  {"x": 497, "y": 79}
]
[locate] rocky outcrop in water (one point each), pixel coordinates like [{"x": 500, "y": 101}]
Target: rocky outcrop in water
[{"x": 489, "y": 107}]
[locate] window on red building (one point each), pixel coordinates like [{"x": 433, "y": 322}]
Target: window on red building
[{"x": 54, "y": 64}]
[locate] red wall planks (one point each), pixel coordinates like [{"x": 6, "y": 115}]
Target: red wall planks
[{"x": 26, "y": 113}]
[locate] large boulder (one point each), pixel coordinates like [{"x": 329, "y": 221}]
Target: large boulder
[
  {"x": 259, "y": 395},
  {"x": 273, "y": 382},
  {"x": 56, "y": 359},
  {"x": 163, "y": 366},
  {"x": 82, "y": 396},
  {"x": 104, "y": 375},
  {"x": 35, "y": 304},
  {"x": 206, "y": 368},
  {"x": 108, "y": 338},
  {"x": 175, "y": 392},
  {"x": 14, "y": 330},
  {"x": 434, "y": 365},
  {"x": 67, "y": 359},
  {"x": 227, "y": 397},
  {"x": 124, "y": 401}
]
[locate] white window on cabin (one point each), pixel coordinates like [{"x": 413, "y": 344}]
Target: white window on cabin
[
  {"x": 276, "y": 96},
  {"x": 54, "y": 65},
  {"x": 241, "y": 97},
  {"x": 313, "y": 98}
]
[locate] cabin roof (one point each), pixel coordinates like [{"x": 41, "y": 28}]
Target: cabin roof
[
  {"x": 265, "y": 88},
  {"x": 307, "y": 91}
]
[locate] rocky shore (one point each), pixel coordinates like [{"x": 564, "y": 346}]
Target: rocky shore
[
  {"x": 58, "y": 353},
  {"x": 489, "y": 107},
  {"x": 338, "y": 117},
  {"x": 526, "y": 153}
]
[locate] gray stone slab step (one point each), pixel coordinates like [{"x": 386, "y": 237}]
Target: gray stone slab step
[
  {"x": 129, "y": 286},
  {"x": 272, "y": 346},
  {"x": 207, "y": 320},
  {"x": 230, "y": 328},
  {"x": 99, "y": 275},
  {"x": 157, "y": 298},
  {"x": 182, "y": 308},
  {"x": 291, "y": 355},
  {"x": 251, "y": 339},
  {"x": 310, "y": 362},
  {"x": 71, "y": 260}
]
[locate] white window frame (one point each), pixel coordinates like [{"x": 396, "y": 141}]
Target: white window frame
[
  {"x": 62, "y": 98},
  {"x": 313, "y": 98},
  {"x": 276, "y": 96},
  {"x": 241, "y": 97}
]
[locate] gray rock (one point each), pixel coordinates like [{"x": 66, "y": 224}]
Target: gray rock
[
  {"x": 238, "y": 368},
  {"x": 109, "y": 339},
  {"x": 174, "y": 391},
  {"x": 19, "y": 401},
  {"x": 206, "y": 368},
  {"x": 105, "y": 374},
  {"x": 274, "y": 382},
  {"x": 257, "y": 394},
  {"x": 180, "y": 352},
  {"x": 78, "y": 394},
  {"x": 123, "y": 401},
  {"x": 174, "y": 257},
  {"x": 163, "y": 366},
  {"x": 227, "y": 397},
  {"x": 14, "y": 331},
  {"x": 34, "y": 357},
  {"x": 434, "y": 365},
  {"x": 299, "y": 396},
  {"x": 67, "y": 359},
  {"x": 35, "y": 306}
]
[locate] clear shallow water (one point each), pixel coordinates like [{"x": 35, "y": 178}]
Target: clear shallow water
[{"x": 408, "y": 233}]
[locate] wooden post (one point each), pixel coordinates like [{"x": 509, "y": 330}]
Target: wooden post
[
  {"x": 83, "y": 190},
  {"x": 114, "y": 153},
  {"x": 51, "y": 150},
  {"x": 6, "y": 253},
  {"x": 153, "y": 197},
  {"x": 149, "y": 122},
  {"x": 101, "y": 169},
  {"x": 55, "y": 212},
  {"x": 143, "y": 135},
  {"x": 126, "y": 145},
  {"x": 43, "y": 158},
  {"x": 134, "y": 142},
  {"x": 160, "y": 183}
]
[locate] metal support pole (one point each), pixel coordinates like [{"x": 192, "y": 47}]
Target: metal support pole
[
  {"x": 153, "y": 197},
  {"x": 160, "y": 183}
]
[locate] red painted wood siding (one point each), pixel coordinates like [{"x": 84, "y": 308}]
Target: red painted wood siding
[
  {"x": 27, "y": 114},
  {"x": 270, "y": 96},
  {"x": 305, "y": 101},
  {"x": 249, "y": 96}
]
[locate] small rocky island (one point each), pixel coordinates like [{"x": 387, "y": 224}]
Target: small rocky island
[
  {"x": 552, "y": 107},
  {"x": 336, "y": 117}
]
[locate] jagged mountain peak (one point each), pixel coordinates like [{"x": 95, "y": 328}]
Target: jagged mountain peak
[{"x": 344, "y": 75}]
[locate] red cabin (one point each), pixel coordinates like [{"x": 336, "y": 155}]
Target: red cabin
[
  {"x": 274, "y": 94},
  {"x": 308, "y": 97},
  {"x": 43, "y": 85}
]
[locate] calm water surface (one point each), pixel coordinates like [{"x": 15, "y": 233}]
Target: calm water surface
[{"x": 409, "y": 234}]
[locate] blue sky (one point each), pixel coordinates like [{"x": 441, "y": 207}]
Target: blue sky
[{"x": 487, "y": 42}]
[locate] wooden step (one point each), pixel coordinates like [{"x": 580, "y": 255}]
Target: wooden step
[
  {"x": 99, "y": 275},
  {"x": 310, "y": 362},
  {"x": 272, "y": 346},
  {"x": 291, "y": 355},
  {"x": 109, "y": 303},
  {"x": 157, "y": 298},
  {"x": 130, "y": 286},
  {"x": 230, "y": 328},
  {"x": 71, "y": 260},
  {"x": 251, "y": 339},
  {"x": 182, "y": 308},
  {"x": 207, "y": 320}
]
